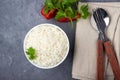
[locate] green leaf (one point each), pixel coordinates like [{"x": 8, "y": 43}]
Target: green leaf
[
  {"x": 55, "y": 1},
  {"x": 65, "y": 4},
  {"x": 69, "y": 3},
  {"x": 84, "y": 11},
  {"x": 60, "y": 14},
  {"x": 31, "y": 52},
  {"x": 58, "y": 5},
  {"x": 48, "y": 5},
  {"x": 32, "y": 57},
  {"x": 70, "y": 12}
]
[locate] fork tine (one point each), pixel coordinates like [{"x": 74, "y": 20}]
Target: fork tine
[
  {"x": 96, "y": 17},
  {"x": 102, "y": 22},
  {"x": 99, "y": 19},
  {"x": 103, "y": 26}
]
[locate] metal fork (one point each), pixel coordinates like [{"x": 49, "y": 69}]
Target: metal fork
[{"x": 100, "y": 49}]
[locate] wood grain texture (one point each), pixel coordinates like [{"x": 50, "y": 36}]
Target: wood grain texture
[
  {"x": 100, "y": 60},
  {"x": 112, "y": 59}
]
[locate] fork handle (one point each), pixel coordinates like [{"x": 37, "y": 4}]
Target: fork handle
[
  {"x": 100, "y": 60},
  {"x": 112, "y": 59}
]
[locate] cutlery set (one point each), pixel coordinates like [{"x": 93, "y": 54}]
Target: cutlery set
[{"x": 104, "y": 45}]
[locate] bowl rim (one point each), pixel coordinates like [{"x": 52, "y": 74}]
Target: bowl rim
[{"x": 68, "y": 44}]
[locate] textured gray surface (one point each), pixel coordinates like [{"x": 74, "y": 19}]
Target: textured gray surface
[{"x": 17, "y": 17}]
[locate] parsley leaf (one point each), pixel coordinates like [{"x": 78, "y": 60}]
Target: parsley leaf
[
  {"x": 70, "y": 12},
  {"x": 58, "y": 5},
  {"x": 31, "y": 52},
  {"x": 60, "y": 14},
  {"x": 48, "y": 5},
  {"x": 84, "y": 11}
]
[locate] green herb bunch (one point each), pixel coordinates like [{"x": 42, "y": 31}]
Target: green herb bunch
[{"x": 67, "y": 9}]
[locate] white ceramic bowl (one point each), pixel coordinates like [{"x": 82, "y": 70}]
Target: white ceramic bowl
[{"x": 49, "y": 67}]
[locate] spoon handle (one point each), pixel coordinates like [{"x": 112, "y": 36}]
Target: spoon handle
[
  {"x": 100, "y": 60},
  {"x": 112, "y": 59}
]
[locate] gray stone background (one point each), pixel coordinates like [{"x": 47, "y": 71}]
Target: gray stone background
[{"x": 17, "y": 17}]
